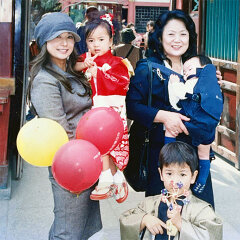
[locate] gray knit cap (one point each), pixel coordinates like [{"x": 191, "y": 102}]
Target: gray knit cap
[{"x": 52, "y": 25}]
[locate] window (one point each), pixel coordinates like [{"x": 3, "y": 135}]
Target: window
[{"x": 145, "y": 14}]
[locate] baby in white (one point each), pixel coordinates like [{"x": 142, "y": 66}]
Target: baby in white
[{"x": 176, "y": 89}]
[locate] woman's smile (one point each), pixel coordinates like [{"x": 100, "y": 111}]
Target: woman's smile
[
  {"x": 177, "y": 47},
  {"x": 64, "y": 51}
]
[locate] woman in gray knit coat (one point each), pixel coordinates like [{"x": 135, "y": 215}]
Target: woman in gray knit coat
[{"x": 59, "y": 93}]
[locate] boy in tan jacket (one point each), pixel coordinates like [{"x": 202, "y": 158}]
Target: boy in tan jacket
[{"x": 175, "y": 214}]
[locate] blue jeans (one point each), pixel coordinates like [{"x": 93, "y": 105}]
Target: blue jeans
[{"x": 75, "y": 217}]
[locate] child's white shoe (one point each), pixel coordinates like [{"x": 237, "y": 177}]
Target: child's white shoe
[
  {"x": 103, "y": 191},
  {"x": 105, "y": 187},
  {"x": 121, "y": 192}
]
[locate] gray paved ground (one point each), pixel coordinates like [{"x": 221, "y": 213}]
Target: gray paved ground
[{"x": 28, "y": 214}]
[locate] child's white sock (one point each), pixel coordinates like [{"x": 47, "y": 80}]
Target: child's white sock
[
  {"x": 118, "y": 177},
  {"x": 106, "y": 176}
]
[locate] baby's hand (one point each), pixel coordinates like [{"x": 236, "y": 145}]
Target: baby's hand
[
  {"x": 153, "y": 224},
  {"x": 174, "y": 78},
  {"x": 175, "y": 216},
  {"x": 89, "y": 61}
]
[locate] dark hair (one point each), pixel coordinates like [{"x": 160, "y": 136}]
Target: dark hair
[
  {"x": 156, "y": 36},
  {"x": 178, "y": 152},
  {"x": 204, "y": 60},
  {"x": 42, "y": 60},
  {"x": 130, "y": 25},
  {"x": 151, "y": 23},
  {"x": 95, "y": 22},
  {"x": 91, "y": 9},
  {"x": 127, "y": 35},
  {"x": 91, "y": 13}
]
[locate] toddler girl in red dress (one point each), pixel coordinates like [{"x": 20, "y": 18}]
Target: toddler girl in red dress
[{"x": 109, "y": 80}]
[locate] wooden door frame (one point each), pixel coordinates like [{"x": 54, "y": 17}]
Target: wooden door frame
[{"x": 222, "y": 65}]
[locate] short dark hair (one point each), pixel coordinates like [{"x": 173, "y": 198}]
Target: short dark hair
[
  {"x": 150, "y": 23},
  {"x": 91, "y": 8},
  {"x": 204, "y": 60},
  {"x": 178, "y": 152},
  {"x": 130, "y": 25},
  {"x": 161, "y": 22},
  {"x": 127, "y": 35},
  {"x": 91, "y": 13}
]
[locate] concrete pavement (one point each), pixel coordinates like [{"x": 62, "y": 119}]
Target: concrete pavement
[{"x": 28, "y": 214}]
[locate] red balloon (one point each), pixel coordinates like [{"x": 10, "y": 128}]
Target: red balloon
[
  {"x": 77, "y": 165},
  {"x": 101, "y": 126}
]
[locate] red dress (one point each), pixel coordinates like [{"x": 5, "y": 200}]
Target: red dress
[{"x": 109, "y": 89}]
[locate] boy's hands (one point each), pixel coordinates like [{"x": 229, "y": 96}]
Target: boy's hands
[
  {"x": 175, "y": 216},
  {"x": 153, "y": 224}
]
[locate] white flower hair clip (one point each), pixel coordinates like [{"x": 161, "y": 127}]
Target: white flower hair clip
[{"x": 108, "y": 17}]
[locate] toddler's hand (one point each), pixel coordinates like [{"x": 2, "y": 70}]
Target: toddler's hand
[
  {"x": 153, "y": 224},
  {"x": 174, "y": 78},
  {"x": 89, "y": 61},
  {"x": 175, "y": 216},
  {"x": 93, "y": 70}
]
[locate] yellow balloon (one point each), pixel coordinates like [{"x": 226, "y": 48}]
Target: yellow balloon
[{"x": 39, "y": 139}]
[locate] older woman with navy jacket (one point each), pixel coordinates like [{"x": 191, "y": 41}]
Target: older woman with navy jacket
[{"x": 173, "y": 41}]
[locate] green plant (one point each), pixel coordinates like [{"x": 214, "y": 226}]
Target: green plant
[{"x": 50, "y": 5}]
